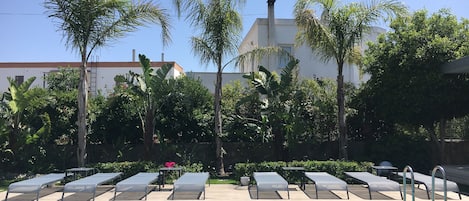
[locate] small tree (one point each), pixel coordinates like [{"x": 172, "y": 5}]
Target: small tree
[
  {"x": 407, "y": 86},
  {"x": 277, "y": 95},
  {"x": 20, "y": 102},
  {"x": 66, "y": 79},
  {"x": 144, "y": 87}
]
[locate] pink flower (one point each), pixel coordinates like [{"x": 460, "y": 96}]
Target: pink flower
[{"x": 169, "y": 164}]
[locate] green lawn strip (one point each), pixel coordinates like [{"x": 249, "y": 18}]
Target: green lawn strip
[
  {"x": 4, "y": 184},
  {"x": 223, "y": 181}
]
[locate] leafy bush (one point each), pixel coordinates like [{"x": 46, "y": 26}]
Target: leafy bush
[
  {"x": 127, "y": 168},
  {"x": 131, "y": 168}
]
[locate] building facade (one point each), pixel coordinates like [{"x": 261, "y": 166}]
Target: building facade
[
  {"x": 100, "y": 74},
  {"x": 283, "y": 34}
]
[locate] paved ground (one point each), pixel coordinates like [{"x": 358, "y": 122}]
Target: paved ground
[{"x": 222, "y": 192}]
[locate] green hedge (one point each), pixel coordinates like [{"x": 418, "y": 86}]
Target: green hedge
[
  {"x": 131, "y": 168},
  {"x": 336, "y": 168}
]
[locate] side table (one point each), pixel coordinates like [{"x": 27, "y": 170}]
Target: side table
[
  {"x": 387, "y": 170},
  {"x": 298, "y": 171},
  {"x": 166, "y": 170},
  {"x": 79, "y": 171}
]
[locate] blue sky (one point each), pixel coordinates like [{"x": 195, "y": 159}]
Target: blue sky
[{"x": 28, "y": 35}]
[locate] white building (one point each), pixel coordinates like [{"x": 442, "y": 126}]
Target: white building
[
  {"x": 101, "y": 74},
  {"x": 283, "y": 35}
]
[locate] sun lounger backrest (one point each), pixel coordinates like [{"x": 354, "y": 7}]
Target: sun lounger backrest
[
  {"x": 32, "y": 185},
  {"x": 325, "y": 181},
  {"x": 375, "y": 183},
  {"x": 268, "y": 176},
  {"x": 270, "y": 181},
  {"x": 427, "y": 180},
  {"x": 88, "y": 184},
  {"x": 193, "y": 178},
  {"x": 367, "y": 177},
  {"x": 137, "y": 183},
  {"x": 191, "y": 182}
]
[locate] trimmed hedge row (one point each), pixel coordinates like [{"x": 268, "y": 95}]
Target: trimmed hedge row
[
  {"x": 336, "y": 168},
  {"x": 131, "y": 168}
]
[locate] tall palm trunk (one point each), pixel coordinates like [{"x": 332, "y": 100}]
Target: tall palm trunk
[
  {"x": 341, "y": 114},
  {"x": 218, "y": 121},
  {"x": 82, "y": 110},
  {"x": 148, "y": 133},
  {"x": 280, "y": 153},
  {"x": 15, "y": 132}
]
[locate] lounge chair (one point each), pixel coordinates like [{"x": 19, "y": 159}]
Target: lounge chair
[
  {"x": 270, "y": 181},
  {"x": 89, "y": 184},
  {"x": 191, "y": 182},
  {"x": 323, "y": 181},
  {"x": 426, "y": 180},
  {"x": 375, "y": 183},
  {"x": 136, "y": 183},
  {"x": 34, "y": 185}
]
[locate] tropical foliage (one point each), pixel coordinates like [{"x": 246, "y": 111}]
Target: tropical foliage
[
  {"x": 24, "y": 126},
  {"x": 406, "y": 85},
  {"x": 144, "y": 88},
  {"x": 185, "y": 113}
]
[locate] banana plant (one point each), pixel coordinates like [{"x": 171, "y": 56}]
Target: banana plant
[
  {"x": 144, "y": 87},
  {"x": 16, "y": 102},
  {"x": 276, "y": 94}
]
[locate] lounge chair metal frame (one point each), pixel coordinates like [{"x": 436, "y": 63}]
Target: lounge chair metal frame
[
  {"x": 34, "y": 185},
  {"x": 323, "y": 181},
  {"x": 375, "y": 183},
  {"x": 136, "y": 183},
  {"x": 191, "y": 182},
  {"x": 89, "y": 183},
  {"x": 270, "y": 181},
  {"x": 426, "y": 180}
]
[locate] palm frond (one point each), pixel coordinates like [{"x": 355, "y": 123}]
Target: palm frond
[
  {"x": 289, "y": 74},
  {"x": 203, "y": 49},
  {"x": 340, "y": 28},
  {"x": 258, "y": 54},
  {"x": 87, "y": 25}
]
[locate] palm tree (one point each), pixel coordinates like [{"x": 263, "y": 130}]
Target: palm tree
[
  {"x": 220, "y": 25},
  {"x": 90, "y": 24},
  {"x": 335, "y": 34}
]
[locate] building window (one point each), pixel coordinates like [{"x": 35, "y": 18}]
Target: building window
[
  {"x": 284, "y": 59},
  {"x": 19, "y": 79}
]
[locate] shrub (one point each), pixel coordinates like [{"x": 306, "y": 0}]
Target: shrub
[
  {"x": 127, "y": 168},
  {"x": 131, "y": 168}
]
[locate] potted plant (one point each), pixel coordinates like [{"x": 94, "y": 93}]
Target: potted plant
[{"x": 244, "y": 180}]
